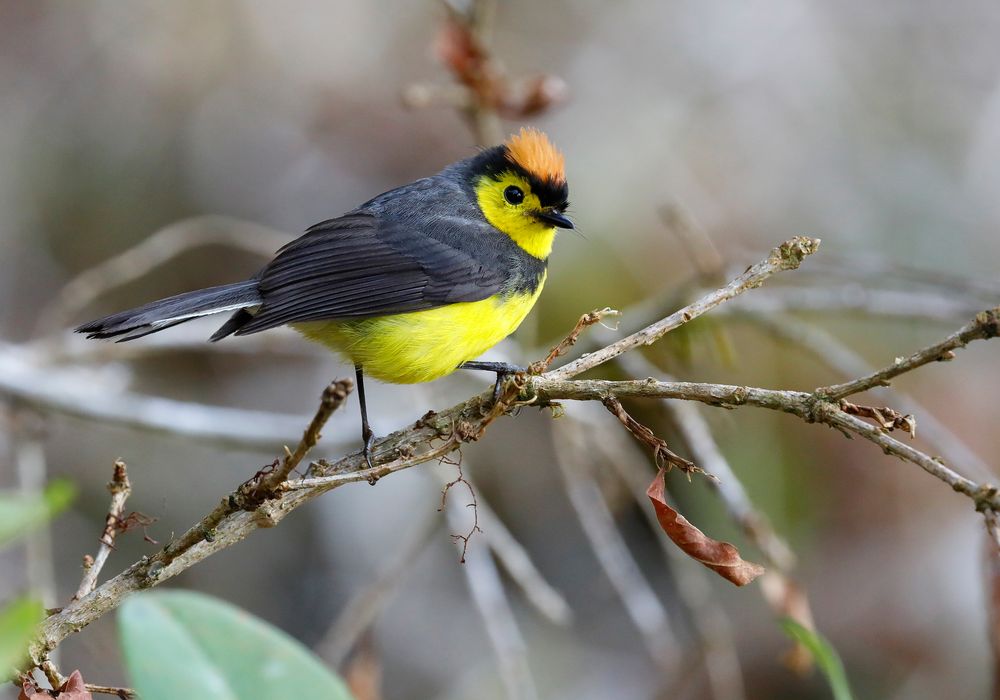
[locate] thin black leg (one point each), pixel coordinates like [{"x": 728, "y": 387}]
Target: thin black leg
[
  {"x": 503, "y": 370},
  {"x": 367, "y": 434}
]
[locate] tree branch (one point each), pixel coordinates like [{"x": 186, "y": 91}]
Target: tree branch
[
  {"x": 985, "y": 325},
  {"x": 788, "y": 256},
  {"x": 437, "y": 434},
  {"x": 120, "y": 489}
]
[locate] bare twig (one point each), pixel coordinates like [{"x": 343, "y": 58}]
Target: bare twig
[
  {"x": 515, "y": 560},
  {"x": 985, "y": 325},
  {"x": 788, "y": 256},
  {"x": 333, "y": 397},
  {"x": 123, "y": 693},
  {"x": 661, "y": 453},
  {"x": 472, "y": 505},
  {"x": 120, "y": 489},
  {"x": 587, "y": 320}
]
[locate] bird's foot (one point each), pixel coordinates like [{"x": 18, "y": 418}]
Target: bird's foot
[
  {"x": 504, "y": 370},
  {"x": 368, "y": 436}
]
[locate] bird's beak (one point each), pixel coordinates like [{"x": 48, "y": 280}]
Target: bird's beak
[{"x": 554, "y": 218}]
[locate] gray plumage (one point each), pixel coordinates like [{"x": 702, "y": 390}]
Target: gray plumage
[{"x": 420, "y": 246}]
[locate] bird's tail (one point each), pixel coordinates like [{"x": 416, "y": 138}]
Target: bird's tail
[{"x": 157, "y": 315}]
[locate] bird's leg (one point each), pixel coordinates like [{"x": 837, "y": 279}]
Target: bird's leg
[
  {"x": 503, "y": 370},
  {"x": 367, "y": 434}
]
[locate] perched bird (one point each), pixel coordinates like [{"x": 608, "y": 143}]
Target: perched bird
[{"x": 411, "y": 285}]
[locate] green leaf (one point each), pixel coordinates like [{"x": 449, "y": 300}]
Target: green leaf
[
  {"x": 17, "y": 626},
  {"x": 180, "y": 644},
  {"x": 20, "y": 513},
  {"x": 824, "y": 653}
]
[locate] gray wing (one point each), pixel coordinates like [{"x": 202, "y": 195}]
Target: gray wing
[{"x": 361, "y": 265}]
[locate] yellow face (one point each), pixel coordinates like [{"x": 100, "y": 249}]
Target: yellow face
[{"x": 509, "y": 204}]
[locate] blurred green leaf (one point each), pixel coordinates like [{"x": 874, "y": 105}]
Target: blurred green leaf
[
  {"x": 180, "y": 644},
  {"x": 17, "y": 626},
  {"x": 826, "y": 657},
  {"x": 20, "y": 513}
]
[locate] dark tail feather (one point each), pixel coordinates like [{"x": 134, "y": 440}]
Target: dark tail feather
[
  {"x": 157, "y": 315},
  {"x": 235, "y": 322}
]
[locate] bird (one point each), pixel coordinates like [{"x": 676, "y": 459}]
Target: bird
[{"x": 412, "y": 285}]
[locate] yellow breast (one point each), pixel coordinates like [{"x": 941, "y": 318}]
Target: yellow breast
[{"x": 423, "y": 345}]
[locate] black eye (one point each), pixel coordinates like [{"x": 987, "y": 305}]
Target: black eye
[{"x": 513, "y": 194}]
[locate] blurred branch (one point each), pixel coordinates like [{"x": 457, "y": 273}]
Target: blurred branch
[
  {"x": 360, "y": 612},
  {"x": 865, "y": 300},
  {"x": 494, "y": 610},
  {"x": 76, "y": 393},
  {"x": 866, "y": 268},
  {"x": 991, "y": 567},
  {"x": 609, "y": 547},
  {"x": 137, "y": 261},
  {"x": 482, "y": 89},
  {"x": 711, "y": 625},
  {"x": 120, "y": 489},
  {"x": 28, "y": 456},
  {"x": 514, "y": 558}
]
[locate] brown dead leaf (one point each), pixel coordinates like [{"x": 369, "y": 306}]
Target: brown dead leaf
[
  {"x": 73, "y": 689},
  {"x": 721, "y": 557},
  {"x": 886, "y": 418},
  {"x": 661, "y": 453}
]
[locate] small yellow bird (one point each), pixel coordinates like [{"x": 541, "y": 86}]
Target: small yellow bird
[{"x": 411, "y": 285}]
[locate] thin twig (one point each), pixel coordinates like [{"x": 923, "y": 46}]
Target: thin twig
[
  {"x": 831, "y": 352},
  {"x": 514, "y": 558},
  {"x": 123, "y": 693},
  {"x": 587, "y": 320},
  {"x": 120, "y": 489},
  {"x": 333, "y": 397},
  {"x": 985, "y": 325},
  {"x": 788, "y": 256}
]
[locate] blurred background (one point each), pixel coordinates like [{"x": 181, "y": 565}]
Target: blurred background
[{"x": 697, "y": 136}]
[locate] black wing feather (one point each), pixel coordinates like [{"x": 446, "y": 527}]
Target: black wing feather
[{"x": 359, "y": 266}]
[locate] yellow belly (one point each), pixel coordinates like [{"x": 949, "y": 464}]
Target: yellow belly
[{"x": 423, "y": 345}]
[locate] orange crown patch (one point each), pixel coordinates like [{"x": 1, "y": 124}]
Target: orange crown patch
[{"x": 532, "y": 150}]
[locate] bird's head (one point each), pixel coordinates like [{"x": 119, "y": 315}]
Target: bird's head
[{"x": 521, "y": 188}]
